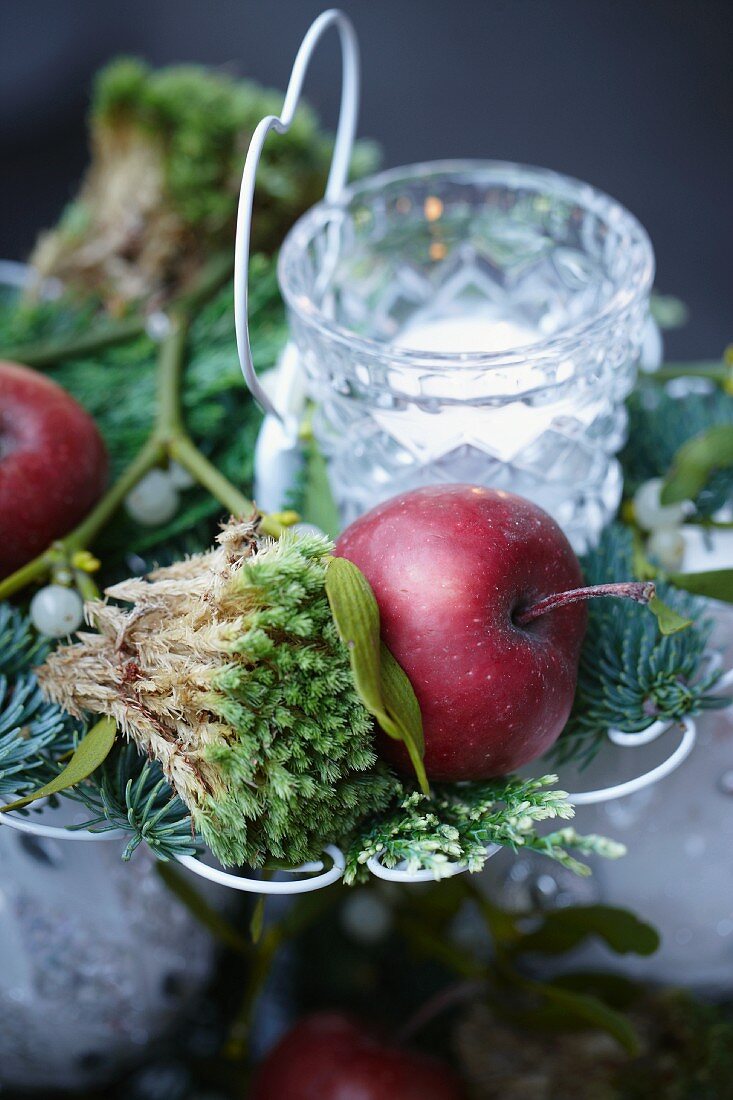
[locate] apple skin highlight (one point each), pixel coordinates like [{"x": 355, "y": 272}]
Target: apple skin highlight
[
  {"x": 53, "y": 464},
  {"x": 451, "y": 568}
]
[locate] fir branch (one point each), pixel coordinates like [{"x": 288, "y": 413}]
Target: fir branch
[
  {"x": 32, "y": 731},
  {"x": 130, "y": 793},
  {"x": 630, "y": 675},
  {"x": 20, "y": 647},
  {"x": 458, "y": 822}
]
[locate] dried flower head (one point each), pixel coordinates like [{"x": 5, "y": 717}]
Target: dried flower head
[{"x": 227, "y": 668}]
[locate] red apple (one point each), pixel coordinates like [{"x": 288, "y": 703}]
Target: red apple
[
  {"x": 53, "y": 464},
  {"x": 452, "y": 568},
  {"x": 328, "y": 1056}
]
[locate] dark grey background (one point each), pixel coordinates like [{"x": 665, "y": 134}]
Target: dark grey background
[{"x": 635, "y": 96}]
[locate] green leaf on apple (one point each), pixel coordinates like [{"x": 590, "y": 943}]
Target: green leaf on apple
[
  {"x": 668, "y": 620},
  {"x": 92, "y": 750},
  {"x": 382, "y": 685},
  {"x": 564, "y": 929}
]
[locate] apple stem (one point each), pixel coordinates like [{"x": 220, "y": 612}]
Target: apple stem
[{"x": 640, "y": 591}]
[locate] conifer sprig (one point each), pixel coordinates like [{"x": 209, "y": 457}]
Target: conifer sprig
[
  {"x": 458, "y": 822},
  {"x": 631, "y": 675}
]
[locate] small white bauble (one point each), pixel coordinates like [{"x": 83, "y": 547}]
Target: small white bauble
[
  {"x": 158, "y": 326},
  {"x": 154, "y": 500},
  {"x": 365, "y": 917},
  {"x": 667, "y": 547},
  {"x": 56, "y": 611},
  {"x": 179, "y": 477},
  {"x": 651, "y": 514}
]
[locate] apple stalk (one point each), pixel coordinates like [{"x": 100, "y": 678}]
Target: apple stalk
[{"x": 640, "y": 591}]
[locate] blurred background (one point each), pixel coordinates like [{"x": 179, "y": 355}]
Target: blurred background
[{"x": 635, "y": 98}]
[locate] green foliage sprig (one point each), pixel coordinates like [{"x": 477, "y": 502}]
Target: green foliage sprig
[
  {"x": 117, "y": 385},
  {"x": 458, "y": 823},
  {"x": 130, "y": 794}
]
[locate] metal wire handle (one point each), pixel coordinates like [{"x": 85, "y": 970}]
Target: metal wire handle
[{"x": 337, "y": 175}]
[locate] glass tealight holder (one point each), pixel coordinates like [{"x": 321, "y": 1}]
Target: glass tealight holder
[{"x": 471, "y": 322}]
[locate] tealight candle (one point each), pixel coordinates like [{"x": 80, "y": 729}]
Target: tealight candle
[
  {"x": 476, "y": 322},
  {"x": 464, "y": 334}
]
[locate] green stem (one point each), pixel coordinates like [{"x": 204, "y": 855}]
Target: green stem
[
  {"x": 716, "y": 371},
  {"x": 711, "y": 524},
  {"x": 85, "y": 585},
  {"x": 45, "y": 353},
  {"x": 48, "y": 352},
  {"x": 169, "y": 420},
  {"x": 27, "y": 574},
  {"x": 185, "y": 452},
  {"x": 151, "y": 454}
]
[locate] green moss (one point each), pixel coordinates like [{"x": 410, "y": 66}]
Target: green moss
[{"x": 299, "y": 768}]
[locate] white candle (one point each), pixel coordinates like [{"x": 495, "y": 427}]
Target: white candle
[
  {"x": 499, "y": 429},
  {"x": 464, "y": 334}
]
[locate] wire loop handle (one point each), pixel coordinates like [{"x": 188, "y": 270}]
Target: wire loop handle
[
  {"x": 639, "y": 782},
  {"x": 337, "y": 175},
  {"x": 266, "y": 886}
]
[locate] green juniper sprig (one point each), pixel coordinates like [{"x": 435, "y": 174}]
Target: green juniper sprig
[
  {"x": 631, "y": 675},
  {"x": 458, "y": 823}
]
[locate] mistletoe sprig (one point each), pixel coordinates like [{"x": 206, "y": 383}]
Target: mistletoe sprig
[{"x": 167, "y": 441}]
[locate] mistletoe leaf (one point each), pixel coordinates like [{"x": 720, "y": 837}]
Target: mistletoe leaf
[
  {"x": 565, "y": 1009},
  {"x": 91, "y": 751},
  {"x": 613, "y": 989},
  {"x": 695, "y": 461},
  {"x": 669, "y": 620},
  {"x": 400, "y": 698},
  {"x": 563, "y": 929},
  {"x": 717, "y": 584},
  {"x": 381, "y": 684}
]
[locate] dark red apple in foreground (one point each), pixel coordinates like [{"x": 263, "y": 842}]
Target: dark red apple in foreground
[
  {"x": 53, "y": 464},
  {"x": 328, "y": 1056},
  {"x": 461, "y": 574}
]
